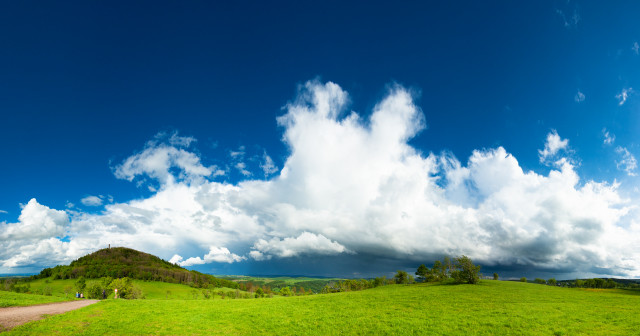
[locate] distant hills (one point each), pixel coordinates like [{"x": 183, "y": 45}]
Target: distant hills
[{"x": 118, "y": 262}]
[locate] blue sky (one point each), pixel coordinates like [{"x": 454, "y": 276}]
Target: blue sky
[{"x": 239, "y": 135}]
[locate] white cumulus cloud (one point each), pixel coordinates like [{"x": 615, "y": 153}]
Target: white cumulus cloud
[
  {"x": 627, "y": 162},
  {"x": 35, "y": 237},
  {"x": 216, "y": 254},
  {"x": 36, "y": 221},
  {"x": 158, "y": 158},
  {"x": 354, "y": 187},
  {"x": 551, "y": 148},
  {"x": 306, "y": 242},
  {"x": 267, "y": 165},
  {"x": 579, "y": 97},
  {"x": 91, "y": 201}
]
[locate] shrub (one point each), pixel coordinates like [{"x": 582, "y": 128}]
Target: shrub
[
  {"x": 126, "y": 289},
  {"x": 401, "y": 277},
  {"x": 523, "y": 279},
  {"x": 80, "y": 284},
  {"x": 285, "y": 291},
  {"x": 94, "y": 291},
  {"x": 206, "y": 293},
  {"x": 46, "y": 290},
  {"x": 466, "y": 271}
]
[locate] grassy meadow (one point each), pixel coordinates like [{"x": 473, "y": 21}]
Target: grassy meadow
[
  {"x": 151, "y": 289},
  {"x": 490, "y": 308},
  {"x": 11, "y": 299}
]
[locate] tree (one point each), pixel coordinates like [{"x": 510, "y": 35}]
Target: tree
[
  {"x": 438, "y": 270},
  {"x": 259, "y": 292},
  {"x": 599, "y": 283},
  {"x": 421, "y": 272},
  {"x": 381, "y": 281},
  {"x": 552, "y": 282},
  {"x": 285, "y": 291},
  {"x": 449, "y": 267},
  {"x": 80, "y": 284},
  {"x": 105, "y": 281},
  {"x": 94, "y": 291},
  {"x": 540, "y": 281},
  {"x": 401, "y": 277},
  {"x": 495, "y": 276},
  {"x": 523, "y": 279},
  {"x": 126, "y": 289},
  {"x": 610, "y": 284},
  {"x": 466, "y": 271}
]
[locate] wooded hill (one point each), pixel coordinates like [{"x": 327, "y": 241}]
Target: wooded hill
[{"x": 118, "y": 262}]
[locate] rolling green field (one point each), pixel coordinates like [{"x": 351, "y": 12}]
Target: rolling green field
[
  {"x": 150, "y": 289},
  {"x": 314, "y": 284},
  {"x": 490, "y": 308},
  {"x": 10, "y": 299}
]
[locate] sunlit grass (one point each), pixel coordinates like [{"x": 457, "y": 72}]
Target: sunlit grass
[
  {"x": 490, "y": 308},
  {"x": 10, "y": 299},
  {"x": 150, "y": 289}
]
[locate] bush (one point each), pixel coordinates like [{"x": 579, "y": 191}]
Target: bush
[
  {"x": 80, "y": 285},
  {"x": 551, "y": 282},
  {"x": 46, "y": 290},
  {"x": 126, "y": 289},
  {"x": 285, "y": 291},
  {"x": 540, "y": 281},
  {"x": 206, "y": 293},
  {"x": 94, "y": 291},
  {"x": 523, "y": 279},
  {"x": 401, "y": 277},
  {"x": 466, "y": 271},
  {"x": 495, "y": 276}
]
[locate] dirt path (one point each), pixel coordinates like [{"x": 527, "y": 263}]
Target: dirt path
[{"x": 14, "y": 316}]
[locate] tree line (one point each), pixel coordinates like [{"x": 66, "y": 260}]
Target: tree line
[{"x": 460, "y": 270}]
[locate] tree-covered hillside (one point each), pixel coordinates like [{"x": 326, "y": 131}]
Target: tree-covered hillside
[{"x": 118, "y": 262}]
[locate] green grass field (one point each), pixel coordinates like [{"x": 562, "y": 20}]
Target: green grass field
[
  {"x": 490, "y": 308},
  {"x": 10, "y": 299},
  {"x": 151, "y": 289}
]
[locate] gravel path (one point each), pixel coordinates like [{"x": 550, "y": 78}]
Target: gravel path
[{"x": 14, "y": 316}]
